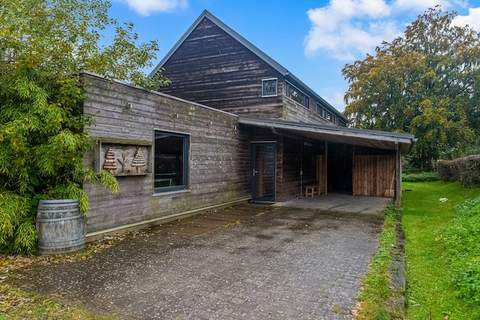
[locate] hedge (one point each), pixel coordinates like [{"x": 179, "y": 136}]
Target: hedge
[
  {"x": 420, "y": 176},
  {"x": 466, "y": 170}
]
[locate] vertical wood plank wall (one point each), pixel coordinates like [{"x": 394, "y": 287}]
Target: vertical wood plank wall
[
  {"x": 219, "y": 156},
  {"x": 374, "y": 175},
  {"x": 321, "y": 171}
]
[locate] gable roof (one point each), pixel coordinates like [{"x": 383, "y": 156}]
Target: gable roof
[{"x": 262, "y": 55}]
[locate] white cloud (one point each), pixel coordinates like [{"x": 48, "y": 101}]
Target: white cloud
[
  {"x": 146, "y": 7},
  {"x": 420, "y": 5},
  {"x": 472, "y": 19},
  {"x": 348, "y": 27},
  {"x": 335, "y": 98}
]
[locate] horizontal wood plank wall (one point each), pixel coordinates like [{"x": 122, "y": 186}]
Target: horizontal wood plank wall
[
  {"x": 374, "y": 175},
  {"x": 214, "y": 69},
  {"x": 294, "y": 111},
  {"x": 219, "y": 158}
]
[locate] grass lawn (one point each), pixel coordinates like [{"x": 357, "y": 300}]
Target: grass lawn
[
  {"x": 17, "y": 304},
  {"x": 430, "y": 294}
]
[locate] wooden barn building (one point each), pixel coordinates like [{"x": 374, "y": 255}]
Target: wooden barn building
[{"x": 234, "y": 125}]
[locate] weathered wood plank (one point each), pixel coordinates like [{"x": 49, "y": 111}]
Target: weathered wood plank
[{"x": 219, "y": 157}]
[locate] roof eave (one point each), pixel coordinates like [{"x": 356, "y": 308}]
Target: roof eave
[{"x": 405, "y": 140}]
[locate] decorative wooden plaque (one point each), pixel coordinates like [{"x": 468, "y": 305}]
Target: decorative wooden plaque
[{"x": 124, "y": 159}]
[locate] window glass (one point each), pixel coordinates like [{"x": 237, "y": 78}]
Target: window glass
[
  {"x": 171, "y": 161},
  {"x": 269, "y": 87},
  {"x": 329, "y": 116},
  {"x": 295, "y": 94},
  {"x": 320, "y": 110}
]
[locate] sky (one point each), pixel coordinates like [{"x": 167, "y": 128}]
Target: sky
[{"x": 312, "y": 39}]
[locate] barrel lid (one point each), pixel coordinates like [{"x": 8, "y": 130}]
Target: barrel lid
[{"x": 59, "y": 201}]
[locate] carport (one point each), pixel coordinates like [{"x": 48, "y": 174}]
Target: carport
[{"x": 288, "y": 159}]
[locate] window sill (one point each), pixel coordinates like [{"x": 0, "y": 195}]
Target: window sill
[{"x": 166, "y": 193}]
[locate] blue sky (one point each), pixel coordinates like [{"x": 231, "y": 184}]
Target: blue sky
[{"x": 313, "y": 39}]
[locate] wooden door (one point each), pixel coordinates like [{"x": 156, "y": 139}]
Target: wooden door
[{"x": 263, "y": 159}]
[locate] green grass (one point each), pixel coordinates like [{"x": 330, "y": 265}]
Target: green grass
[
  {"x": 17, "y": 304},
  {"x": 376, "y": 293},
  {"x": 430, "y": 288},
  {"x": 462, "y": 245}
]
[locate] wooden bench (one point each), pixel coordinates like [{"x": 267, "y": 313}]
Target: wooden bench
[{"x": 311, "y": 191}]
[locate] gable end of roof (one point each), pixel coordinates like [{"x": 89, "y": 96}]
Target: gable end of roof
[{"x": 262, "y": 55}]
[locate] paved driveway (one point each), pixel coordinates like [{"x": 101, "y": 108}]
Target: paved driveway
[{"x": 239, "y": 263}]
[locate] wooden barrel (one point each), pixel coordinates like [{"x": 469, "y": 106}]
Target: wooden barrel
[{"x": 60, "y": 226}]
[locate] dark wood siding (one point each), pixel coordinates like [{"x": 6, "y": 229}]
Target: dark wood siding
[
  {"x": 212, "y": 68},
  {"x": 219, "y": 157},
  {"x": 294, "y": 111},
  {"x": 374, "y": 175}
]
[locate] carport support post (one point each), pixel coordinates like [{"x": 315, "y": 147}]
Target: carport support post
[{"x": 398, "y": 176}]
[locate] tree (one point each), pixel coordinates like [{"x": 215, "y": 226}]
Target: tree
[
  {"x": 44, "y": 45},
  {"x": 425, "y": 82}
]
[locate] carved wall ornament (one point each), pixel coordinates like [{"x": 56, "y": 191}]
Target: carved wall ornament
[
  {"x": 109, "y": 163},
  {"x": 138, "y": 159},
  {"x": 125, "y": 159}
]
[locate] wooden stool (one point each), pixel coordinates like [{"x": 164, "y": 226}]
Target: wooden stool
[{"x": 311, "y": 191}]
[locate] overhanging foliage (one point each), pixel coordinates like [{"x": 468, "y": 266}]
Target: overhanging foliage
[{"x": 44, "y": 45}]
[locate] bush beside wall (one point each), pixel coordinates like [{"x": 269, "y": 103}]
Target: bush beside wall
[{"x": 466, "y": 170}]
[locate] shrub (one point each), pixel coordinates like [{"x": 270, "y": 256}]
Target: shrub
[
  {"x": 469, "y": 170},
  {"x": 420, "y": 176},
  {"x": 465, "y": 170},
  {"x": 446, "y": 170},
  {"x": 44, "y": 46},
  {"x": 462, "y": 246}
]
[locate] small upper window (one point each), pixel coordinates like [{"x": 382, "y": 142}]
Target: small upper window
[
  {"x": 269, "y": 87},
  {"x": 329, "y": 116},
  {"x": 320, "y": 110},
  {"x": 297, "y": 95}
]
